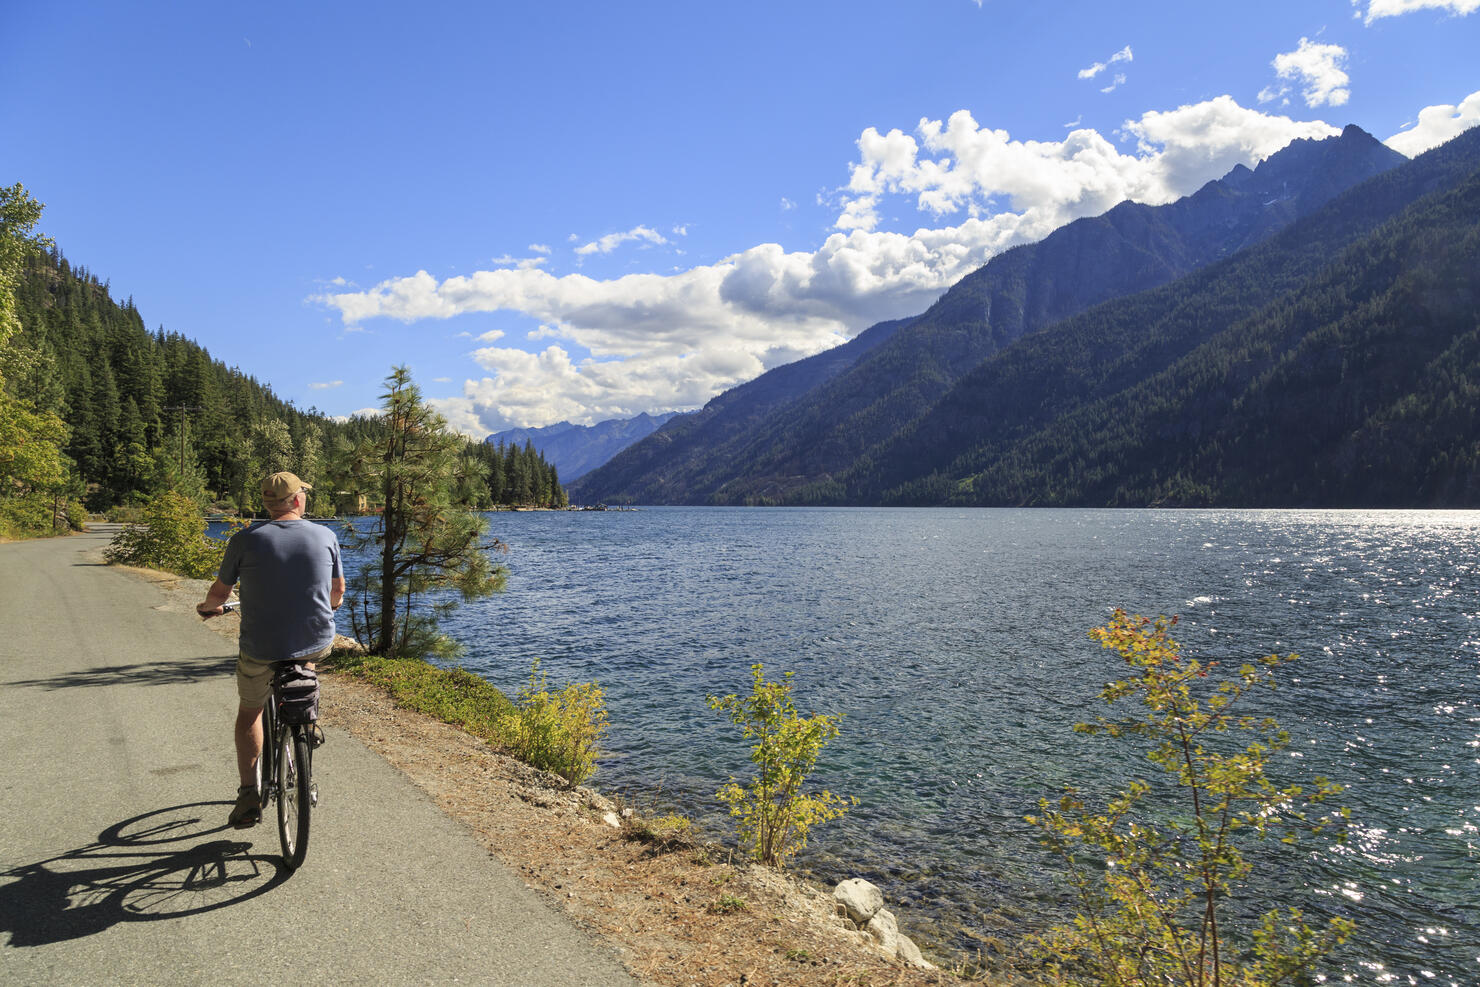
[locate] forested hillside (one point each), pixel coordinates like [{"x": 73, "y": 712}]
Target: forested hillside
[
  {"x": 133, "y": 401},
  {"x": 791, "y": 450},
  {"x": 1331, "y": 366}
]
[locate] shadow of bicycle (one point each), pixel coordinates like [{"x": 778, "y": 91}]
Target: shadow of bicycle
[{"x": 160, "y": 865}]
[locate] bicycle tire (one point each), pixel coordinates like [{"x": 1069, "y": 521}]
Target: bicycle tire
[{"x": 294, "y": 805}]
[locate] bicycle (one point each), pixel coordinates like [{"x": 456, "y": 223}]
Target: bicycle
[{"x": 285, "y": 769}]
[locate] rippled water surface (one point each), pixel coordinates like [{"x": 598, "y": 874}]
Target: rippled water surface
[{"x": 954, "y": 642}]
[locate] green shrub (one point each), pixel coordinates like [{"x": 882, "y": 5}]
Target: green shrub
[
  {"x": 452, "y": 695},
  {"x": 39, "y": 514},
  {"x": 171, "y": 536},
  {"x": 558, "y": 732},
  {"x": 1155, "y": 882},
  {"x": 775, "y": 814}
]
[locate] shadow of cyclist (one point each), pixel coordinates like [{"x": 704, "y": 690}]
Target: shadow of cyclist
[{"x": 159, "y": 865}]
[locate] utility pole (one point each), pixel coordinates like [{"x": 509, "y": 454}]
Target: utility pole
[{"x": 182, "y": 408}]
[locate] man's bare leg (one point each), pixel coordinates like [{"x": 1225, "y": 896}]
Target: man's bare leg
[{"x": 248, "y": 744}]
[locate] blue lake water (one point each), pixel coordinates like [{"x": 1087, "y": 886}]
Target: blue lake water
[{"x": 954, "y": 642}]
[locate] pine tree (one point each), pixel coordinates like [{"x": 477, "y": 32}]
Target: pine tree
[{"x": 424, "y": 540}]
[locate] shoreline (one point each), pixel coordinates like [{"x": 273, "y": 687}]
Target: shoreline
[{"x": 678, "y": 914}]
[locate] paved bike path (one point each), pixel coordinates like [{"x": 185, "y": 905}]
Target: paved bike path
[{"x": 116, "y": 866}]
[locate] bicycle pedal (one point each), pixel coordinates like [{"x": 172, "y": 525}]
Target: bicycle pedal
[
  {"x": 316, "y": 736},
  {"x": 313, "y": 795}
]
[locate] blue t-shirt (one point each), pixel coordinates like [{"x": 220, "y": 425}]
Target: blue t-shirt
[{"x": 285, "y": 569}]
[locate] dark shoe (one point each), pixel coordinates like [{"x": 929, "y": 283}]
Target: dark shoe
[{"x": 248, "y": 809}]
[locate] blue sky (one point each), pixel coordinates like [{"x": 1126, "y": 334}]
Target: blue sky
[{"x": 580, "y": 211}]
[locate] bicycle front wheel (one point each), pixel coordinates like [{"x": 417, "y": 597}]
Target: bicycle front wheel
[{"x": 293, "y": 799}]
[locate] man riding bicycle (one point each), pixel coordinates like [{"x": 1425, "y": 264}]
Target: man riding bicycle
[{"x": 291, "y": 584}]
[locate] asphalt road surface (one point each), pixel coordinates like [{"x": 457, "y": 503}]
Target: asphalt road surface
[{"x": 116, "y": 864}]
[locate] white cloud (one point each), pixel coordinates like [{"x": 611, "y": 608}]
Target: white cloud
[
  {"x": 508, "y": 260},
  {"x": 326, "y": 385},
  {"x": 1437, "y": 124},
  {"x": 1377, "y": 9},
  {"x": 612, "y": 241},
  {"x": 671, "y": 342},
  {"x": 1123, "y": 55},
  {"x": 1048, "y": 183},
  {"x": 1115, "y": 84},
  {"x": 538, "y": 248},
  {"x": 491, "y": 336},
  {"x": 1318, "y": 68},
  {"x": 787, "y": 205}
]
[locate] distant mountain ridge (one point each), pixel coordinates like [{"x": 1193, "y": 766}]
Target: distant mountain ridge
[
  {"x": 785, "y": 440},
  {"x": 575, "y": 450}
]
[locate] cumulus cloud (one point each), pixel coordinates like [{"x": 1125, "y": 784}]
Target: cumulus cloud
[
  {"x": 1123, "y": 55},
  {"x": 539, "y": 248},
  {"x": 1437, "y": 124},
  {"x": 671, "y": 342},
  {"x": 1318, "y": 69},
  {"x": 1377, "y": 9},
  {"x": 612, "y": 241},
  {"x": 325, "y": 385},
  {"x": 959, "y": 165}
]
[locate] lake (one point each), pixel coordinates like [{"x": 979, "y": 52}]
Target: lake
[{"x": 954, "y": 643}]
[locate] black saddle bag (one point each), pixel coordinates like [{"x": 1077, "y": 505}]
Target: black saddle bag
[{"x": 298, "y": 693}]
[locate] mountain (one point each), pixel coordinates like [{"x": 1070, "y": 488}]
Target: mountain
[
  {"x": 575, "y": 450},
  {"x": 792, "y": 446},
  {"x": 716, "y": 434},
  {"x": 1337, "y": 364}
]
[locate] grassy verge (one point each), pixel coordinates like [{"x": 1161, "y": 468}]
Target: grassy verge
[
  {"x": 558, "y": 731},
  {"x": 452, "y": 695}
]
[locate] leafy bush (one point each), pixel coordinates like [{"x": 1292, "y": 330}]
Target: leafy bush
[
  {"x": 37, "y": 514},
  {"x": 1153, "y": 891},
  {"x": 171, "y": 537},
  {"x": 775, "y": 814},
  {"x": 558, "y": 732}
]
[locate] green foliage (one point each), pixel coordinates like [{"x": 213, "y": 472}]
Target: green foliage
[
  {"x": 37, "y": 514},
  {"x": 775, "y": 814},
  {"x": 727, "y": 904},
  {"x": 424, "y": 541},
  {"x": 1154, "y": 883},
  {"x": 33, "y": 471},
  {"x": 452, "y": 695},
  {"x": 558, "y": 732},
  {"x": 171, "y": 536}
]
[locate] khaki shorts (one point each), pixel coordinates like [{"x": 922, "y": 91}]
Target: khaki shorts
[{"x": 254, "y": 678}]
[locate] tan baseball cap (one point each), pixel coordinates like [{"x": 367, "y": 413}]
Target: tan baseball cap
[{"x": 281, "y": 486}]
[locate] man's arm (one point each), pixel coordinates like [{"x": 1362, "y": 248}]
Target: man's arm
[
  {"x": 336, "y": 592},
  {"x": 217, "y": 595}
]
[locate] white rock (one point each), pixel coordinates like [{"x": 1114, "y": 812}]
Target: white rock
[
  {"x": 884, "y": 927},
  {"x": 909, "y": 954},
  {"x": 611, "y": 820},
  {"x": 862, "y": 899}
]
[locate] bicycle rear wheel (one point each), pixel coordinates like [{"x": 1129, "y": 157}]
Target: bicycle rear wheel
[{"x": 293, "y": 801}]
